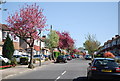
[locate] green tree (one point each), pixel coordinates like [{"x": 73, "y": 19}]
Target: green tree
[
  {"x": 91, "y": 44},
  {"x": 8, "y": 48},
  {"x": 52, "y": 41}
]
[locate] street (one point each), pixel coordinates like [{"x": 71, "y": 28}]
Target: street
[{"x": 74, "y": 70}]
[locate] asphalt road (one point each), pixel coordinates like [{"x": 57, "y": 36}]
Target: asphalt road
[{"x": 74, "y": 70}]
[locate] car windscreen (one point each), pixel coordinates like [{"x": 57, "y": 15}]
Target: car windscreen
[
  {"x": 16, "y": 56},
  {"x": 60, "y": 56},
  {"x": 105, "y": 62},
  {"x": 87, "y": 56},
  {"x": 36, "y": 55},
  {"x": 66, "y": 55}
]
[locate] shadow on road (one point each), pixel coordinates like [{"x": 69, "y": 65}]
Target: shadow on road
[{"x": 80, "y": 79}]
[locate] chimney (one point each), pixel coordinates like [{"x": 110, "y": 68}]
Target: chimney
[
  {"x": 112, "y": 38},
  {"x": 43, "y": 37},
  {"x": 116, "y": 35}
]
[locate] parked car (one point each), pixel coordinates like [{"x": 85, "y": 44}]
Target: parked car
[
  {"x": 75, "y": 55},
  {"x": 61, "y": 58},
  {"x": 78, "y": 56},
  {"x": 4, "y": 59},
  {"x": 68, "y": 57},
  {"x": 88, "y": 57},
  {"x": 72, "y": 56},
  {"x": 103, "y": 68},
  {"x": 81, "y": 56},
  {"x": 17, "y": 57},
  {"x": 38, "y": 57}
]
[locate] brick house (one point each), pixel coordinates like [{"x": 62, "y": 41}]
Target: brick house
[{"x": 3, "y": 34}]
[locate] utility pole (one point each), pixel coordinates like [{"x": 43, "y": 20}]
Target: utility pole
[
  {"x": 40, "y": 48},
  {"x": 51, "y": 56}
]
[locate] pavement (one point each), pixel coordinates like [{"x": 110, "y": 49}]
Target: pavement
[{"x": 4, "y": 73}]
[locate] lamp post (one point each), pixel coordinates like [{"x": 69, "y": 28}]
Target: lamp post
[{"x": 40, "y": 48}]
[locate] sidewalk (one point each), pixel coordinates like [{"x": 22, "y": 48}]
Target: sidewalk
[{"x": 19, "y": 69}]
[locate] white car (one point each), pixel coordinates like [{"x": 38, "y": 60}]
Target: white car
[
  {"x": 4, "y": 59},
  {"x": 17, "y": 57},
  {"x": 39, "y": 57}
]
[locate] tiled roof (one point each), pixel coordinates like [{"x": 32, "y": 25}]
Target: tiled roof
[
  {"x": 37, "y": 48},
  {"x": 5, "y": 27}
]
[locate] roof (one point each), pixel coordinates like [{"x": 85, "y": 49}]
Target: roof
[
  {"x": 37, "y": 48},
  {"x": 4, "y": 27}
]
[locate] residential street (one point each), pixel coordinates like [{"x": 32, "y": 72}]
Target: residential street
[{"x": 72, "y": 71}]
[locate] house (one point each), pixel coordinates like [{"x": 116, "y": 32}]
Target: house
[
  {"x": 6, "y": 31},
  {"x": 1, "y": 43},
  {"x": 20, "y": 45},
  {"x": 40, "y": 46},
  {"x": 112, "y": 46}
]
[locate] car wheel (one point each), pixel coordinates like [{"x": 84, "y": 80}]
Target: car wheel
[
  {"x": 89, "y": 78},
  {"x": 57, "y": 61},
  {"x": 65, "y": 61}
]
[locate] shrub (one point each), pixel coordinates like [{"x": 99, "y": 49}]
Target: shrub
[
  {"x": 13, "y": 61},
  {"x": 8, "y": 48},
  {"x": 56, "y": 54}
]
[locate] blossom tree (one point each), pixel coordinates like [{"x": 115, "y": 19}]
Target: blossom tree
[
  {"x": 65, "y": 40},
  {"x": 26, "y": 24}
]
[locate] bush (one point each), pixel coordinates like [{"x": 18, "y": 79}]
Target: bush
[
  {"x": 13, "y": 61},
  {"x": 99, "y": 55},
  {"x": 56, "y": 54},
  {"x": 8, "y": 48}
]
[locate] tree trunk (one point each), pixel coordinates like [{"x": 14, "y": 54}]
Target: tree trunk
[
  {"x": 52, "y": 55},
  {"x": 92, "y": 54},
  {"x": 31, "y": 66}
]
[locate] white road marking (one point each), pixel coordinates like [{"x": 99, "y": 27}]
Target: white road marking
[
  {"x": 63, "y": 72},
  {"x": 59, "y": 76}
]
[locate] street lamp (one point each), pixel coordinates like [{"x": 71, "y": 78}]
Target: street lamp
[{"x": 40, "y": 48}]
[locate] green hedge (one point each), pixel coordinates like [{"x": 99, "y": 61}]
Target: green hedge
[
  {"x": 99, "y": 55},
  {"x": 56, "y": 54}
]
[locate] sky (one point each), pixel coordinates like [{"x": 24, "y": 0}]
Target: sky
[{"x": 77, "y": 18}]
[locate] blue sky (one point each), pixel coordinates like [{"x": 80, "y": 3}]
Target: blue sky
[{"x": 77, "y": 18}]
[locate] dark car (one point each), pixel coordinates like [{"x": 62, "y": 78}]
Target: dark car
[
  {"x": 61, "y": 58},
  {"x": 68, "y": 57},
  {"x": 78, "y": 56},
  {"x": 88, "y": 57},
  {"x": 75, "y": 55},
  {"x": 103, "y": 68}
]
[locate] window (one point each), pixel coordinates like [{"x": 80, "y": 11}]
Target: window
[{"x": 105, "y": 62}]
